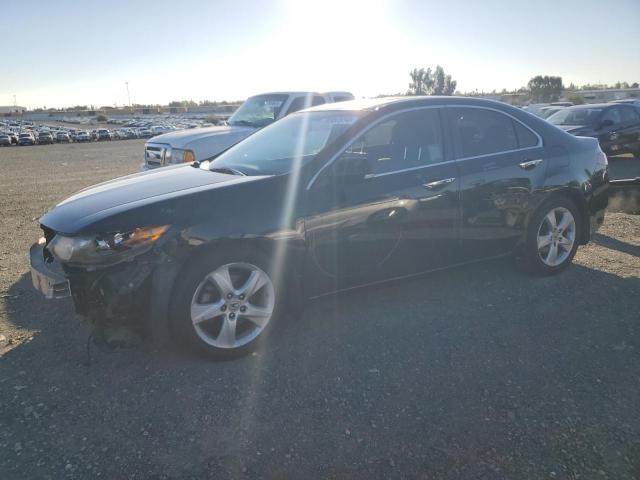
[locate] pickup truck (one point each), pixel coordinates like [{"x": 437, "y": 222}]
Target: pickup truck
[{"x": 255, "y": 113}]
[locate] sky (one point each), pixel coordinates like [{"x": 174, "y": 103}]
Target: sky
[{"x": 82, "y": 52}]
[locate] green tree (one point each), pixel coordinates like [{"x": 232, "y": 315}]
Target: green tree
[
  {"x": 545, "y": 88},
  {"x": 426, "y": 82},
  {"x": 634, "y": 85}
]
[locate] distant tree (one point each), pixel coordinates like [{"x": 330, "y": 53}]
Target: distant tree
[
  {"x": 101, "y": 118},
  {"x": 545, "y": 88},
  {"x": 421, "y": 81},
  {"x": 635, "y": 85},
  {"x": 426, "y": 82},
  {"x": 576, "y": 99}
]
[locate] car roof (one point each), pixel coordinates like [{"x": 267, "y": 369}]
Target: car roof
[{"x": 370, "y": 104}]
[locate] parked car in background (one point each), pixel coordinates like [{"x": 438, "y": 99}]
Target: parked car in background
[
  {"x": 63, "y": 137},
  {"x": 628, "y": 101},
  {"x": 82, "y": 136},
  {"x": 546, "y": 112},
  {"x": 255, "y": 113},
  {"x": 103, "y": 134},
  {"x": 331, "y": 198},
  {"x": 540, "y": 109},
  {"x": 5, "y": 140},
  {"x": 45, "y": 138},
  {"x": 616, "y": 126},
  {"x": 26, "y": 138},
  {"x": 144, "y": 133}
]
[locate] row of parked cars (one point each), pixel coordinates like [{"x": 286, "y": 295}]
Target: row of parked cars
[
  {"x": 48, "y": 135},
  {"x": 616, "y": 124}
]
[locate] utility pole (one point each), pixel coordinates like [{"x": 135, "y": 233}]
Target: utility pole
[{"x": 128, "y": 95}]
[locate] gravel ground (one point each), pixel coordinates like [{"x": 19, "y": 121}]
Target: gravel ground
[{"x": 474, "y": 373}]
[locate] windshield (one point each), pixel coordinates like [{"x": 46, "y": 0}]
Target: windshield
[
  {"x": 258, "y": 111},
  {"x": 290, "y": 142},
  {"x": 575, "y": 116}
]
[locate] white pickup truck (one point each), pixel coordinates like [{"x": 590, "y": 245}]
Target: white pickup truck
[{"x": 255, "y": 113}]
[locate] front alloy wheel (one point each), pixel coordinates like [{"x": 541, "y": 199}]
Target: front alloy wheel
[{"x": 232, "y": 305}]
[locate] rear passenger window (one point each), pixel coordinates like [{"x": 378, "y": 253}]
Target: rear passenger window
[
  {"x": 317, "y": 100},
  {"x": 526, "y": 137},
  {"x": 481, "y": 132}
]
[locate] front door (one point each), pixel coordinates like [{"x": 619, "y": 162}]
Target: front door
[{"x": 386, "y": 207}]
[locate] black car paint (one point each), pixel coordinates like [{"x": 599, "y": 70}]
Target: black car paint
[
  {"x": 335, "y": 236},
  {"x": 614, "y": 139}
]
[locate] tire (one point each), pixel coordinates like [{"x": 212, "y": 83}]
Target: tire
[
  {"x": 226, "y": 327},
  {"x": 537, "y": 255}
]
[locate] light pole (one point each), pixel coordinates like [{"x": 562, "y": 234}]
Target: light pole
[{"x": 128, "y": 95}]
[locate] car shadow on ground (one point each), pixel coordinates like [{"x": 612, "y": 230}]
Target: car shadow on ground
[
  {"x": 615, "y": 244},
  {"x": 465, "y": 373}
]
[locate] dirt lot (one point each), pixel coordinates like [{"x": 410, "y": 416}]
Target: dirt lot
[{"x": 475, "y": 373}]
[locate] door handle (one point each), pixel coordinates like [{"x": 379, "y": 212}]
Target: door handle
[
  {"x": 438, "y": 183},
  {"x": 530, "y": 164}
]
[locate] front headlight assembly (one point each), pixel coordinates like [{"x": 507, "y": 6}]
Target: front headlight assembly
[
  {"x": 104, "y": 250},
  {"x": 179, "y": 155}
]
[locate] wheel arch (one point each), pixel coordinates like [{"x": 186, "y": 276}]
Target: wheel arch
[{"x": 580, "y": 201}]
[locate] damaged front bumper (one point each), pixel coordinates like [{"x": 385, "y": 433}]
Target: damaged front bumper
[
  {"x": 47, "y": 278},
  {"x": 135, "y": 292}
]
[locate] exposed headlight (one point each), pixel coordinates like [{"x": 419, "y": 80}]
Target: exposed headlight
[
  {"x": 102, "y": 250},
  {"x": 179, "y": 155}
]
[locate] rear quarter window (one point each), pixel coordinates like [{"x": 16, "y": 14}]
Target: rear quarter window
[{"x": 526, "y": 138}]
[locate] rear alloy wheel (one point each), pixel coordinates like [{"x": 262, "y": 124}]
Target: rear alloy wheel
[
  {"x": 552, "y": 237},
  {"x": 556, "y": 236},
  {"x": 232, "y": 305}
]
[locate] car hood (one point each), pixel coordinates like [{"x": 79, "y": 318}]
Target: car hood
[
  {"x": 79, "y": 211},
  {"x": 183, "y": 138}
]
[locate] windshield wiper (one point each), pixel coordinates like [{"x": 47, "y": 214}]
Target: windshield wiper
[{"x": 230, "y": 171}]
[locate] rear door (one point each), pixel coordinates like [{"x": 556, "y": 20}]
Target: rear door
[{"x": 501, "y": 163}]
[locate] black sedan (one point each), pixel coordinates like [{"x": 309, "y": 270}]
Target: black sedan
[
  {"x": 616, "y": 126},
  {"x": 331, "y": 198}
]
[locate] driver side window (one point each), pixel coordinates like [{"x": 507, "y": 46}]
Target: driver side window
[{"x": 406, "y": 140}]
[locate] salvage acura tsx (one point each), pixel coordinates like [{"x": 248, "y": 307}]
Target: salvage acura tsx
[{"x": 330, "y": 198}]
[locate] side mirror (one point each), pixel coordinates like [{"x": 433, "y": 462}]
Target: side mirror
[{"x": 606, "y": 123}]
